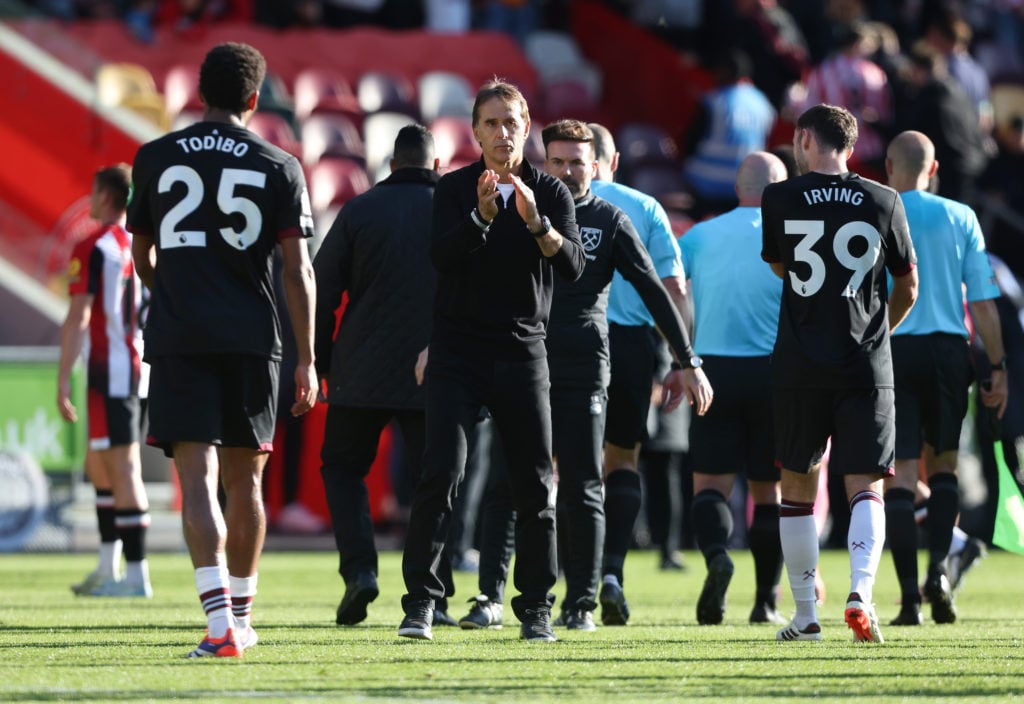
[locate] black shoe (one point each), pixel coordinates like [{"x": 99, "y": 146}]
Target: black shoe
[
  {"x": 441, "y": 618},
  {"x": 767, "y": 613},
  {"x": 909, "y": 615},
  {"x": 672, "y": 562},
  {"x": 959, "y": 565},
  {"x": 579, "y": 620},
  {"x": 358, "y": 593},
  {"x": 711, "y": 605},
  {"x": 940, "y": 595},
  {"x": 614, "y": 609},
  {"x": 537, "y": 625},
  {"x": 483, "y": 613},
  {"x": 417, "y": 622}
]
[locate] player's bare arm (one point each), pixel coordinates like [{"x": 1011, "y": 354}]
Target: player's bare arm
[
  {"x": 300, "y": 295},
  {"x": 72, "y": 338},
  {"x": 986, "y": 322},
  {"x": 902, "y": 298},
  {"x": 144, "y": 256},
  {"x": 526, "y": 205}
]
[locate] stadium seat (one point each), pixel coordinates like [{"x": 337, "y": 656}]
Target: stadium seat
[
  {"x": 379, "y": 132},
  {"x": 276, "y": 129},
  {"x": 334, "y": 181},
  {"x": 558, "y": 59},
  {"x": 569, "y": 98},
  {"x": 444, "y": 93},
  {"x": 381, "y": 91},
  {"x": 115, "y": 81},
  {"x": 326, "y": 134},
  {"x": 181, "y": 89},
  {"x": 642, "y": 143},
  {"x": 454, "y": 140},
  {"x": 322, "y": 90},
  {"x": 149, "y": 106}
]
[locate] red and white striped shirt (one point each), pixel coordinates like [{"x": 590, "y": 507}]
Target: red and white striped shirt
[{"x": 101, "y": 265}]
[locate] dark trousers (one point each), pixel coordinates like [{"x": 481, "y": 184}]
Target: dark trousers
[
  {"x": 351, "y": 436},
  {"x": 578, "y": 432},
  {"x": 516, "y": 394}
]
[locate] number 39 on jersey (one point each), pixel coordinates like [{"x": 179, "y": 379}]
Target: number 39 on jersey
[{"x": 857, "y": 265}]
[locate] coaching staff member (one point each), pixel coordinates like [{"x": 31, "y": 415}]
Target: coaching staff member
[{"x": 500, "y": 230}]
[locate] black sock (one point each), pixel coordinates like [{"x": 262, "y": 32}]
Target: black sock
[
  {"x": 105, "y": 515},
  {"x": 131, "y": 528},
  {"x": 943, "y": 507},
  {"x": 622, "y": 500},
  {"x": 712, "y": 522},
  {"x": 766, "y": 547},
  {"x": 901, "y": 531}
]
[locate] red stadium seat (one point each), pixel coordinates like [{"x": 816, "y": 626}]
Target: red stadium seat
[
  {"x": 569, "y": 98},
  {"x": 325, "y": 134},
  {"x": 276, "y": 130},
  {"x": 334, "y": 181},
  {"x": 379, "y": 132},
  {"x": 379, "y": 90},
  {"x": 454, "y": 140},
  {"x": 321, "y": 90},
  {"x": 181, "y": 89}
]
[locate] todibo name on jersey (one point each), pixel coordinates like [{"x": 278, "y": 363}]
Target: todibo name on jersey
[
  {"x": 833, "y": 195},
  {"x": 212, "y": 143}
]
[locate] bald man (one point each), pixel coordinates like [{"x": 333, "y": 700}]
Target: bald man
[
  {"x": 933, "y": 371},
  {"x": 736, "y": 305}
]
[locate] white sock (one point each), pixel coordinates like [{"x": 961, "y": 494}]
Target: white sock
[
  {"x": 109, "y": 564},
  {"x": 865, "y": 540},
  {"x": 959, "y": 541},
  {"x": 799, "y": 536},
  {"x": 215, "y": 595},
  {"x": 243, "y": 589},
  {"x": 137, "y": 572}
]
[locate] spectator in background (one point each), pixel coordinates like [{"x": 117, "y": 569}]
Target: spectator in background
[
  {"x": 103, "y": 320},
  {"x": 732, "y": 120},
  {"x": 1002, "y": 190},
  {"x": 848, "y": 78},
  {"x": 517, "y": 18},
  {"x": 950, "y": 36},
  {"x": 937, "y": 106},
  {"x": 376, "y": 252},
  {"x": 774, "y": 43}
]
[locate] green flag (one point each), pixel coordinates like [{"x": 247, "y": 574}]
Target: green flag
[{"x": 1009, "y": 528}]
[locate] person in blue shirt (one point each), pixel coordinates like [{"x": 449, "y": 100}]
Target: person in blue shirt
[
  {"x": 933, "y": 371},
  {"x": 736, "y": 302},
  {"x": 632, "y": 366}
]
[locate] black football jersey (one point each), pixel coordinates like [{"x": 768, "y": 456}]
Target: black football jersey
[
  {"x": 577, "y": 339},
  {"x": 836, "y": 235},
  {"x": 216, "y": 199}
]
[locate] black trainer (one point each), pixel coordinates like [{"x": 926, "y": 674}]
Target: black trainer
[
  {"x": 614, "y": 609},
  {"x": 536, "y": 625},
  {"x": 579, "y": 620},
  {"x": 441, "y": 618},
  {"x": 711, "y": 605},
  {"x": 417, "y": 622},
  {"x": 358, "y": 593},
  {"x": 483, "y": 613},
  {"x": 961, "y": 563},
  {"x": 909, "y": 615},
  {"x": 764, "y": 612},
  {"x": 940, "y": 596}
]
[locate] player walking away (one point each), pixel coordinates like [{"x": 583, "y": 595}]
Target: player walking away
[
  {"x": 211, "y": 203},
  {"x": 933, "y": 372},
  {"x": 736, "y": 304},
  {"x": 830, "y": 235},
  {"x": 103, "y": 321}
]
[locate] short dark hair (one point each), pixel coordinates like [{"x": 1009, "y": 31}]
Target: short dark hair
[
  {"x": 604, "y": 142},
  {"x": 499, "y": 88},
  {"x": 231, "y": 72},
  {"x": 414, "y": 146},
  {"x": 833, "y": 126},
  {"x": 117, "y": 181},
  {"x": 567, "y": 131}
]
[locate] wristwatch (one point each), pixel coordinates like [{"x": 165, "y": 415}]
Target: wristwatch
[
  {"x": 1000, "y": 365},
  {"x": 545, "y": 227},
  {"x": 693, "y": 362}
]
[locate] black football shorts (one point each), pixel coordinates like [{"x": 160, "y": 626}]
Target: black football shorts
[
  {"x": 629, "y": 393},
  {"x": 112, "y": 421}
]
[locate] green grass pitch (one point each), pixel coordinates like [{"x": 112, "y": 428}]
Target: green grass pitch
[{"x": 58, "y": 647}]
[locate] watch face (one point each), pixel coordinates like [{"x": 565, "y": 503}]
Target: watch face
[{"x": 696, "y": 362}]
